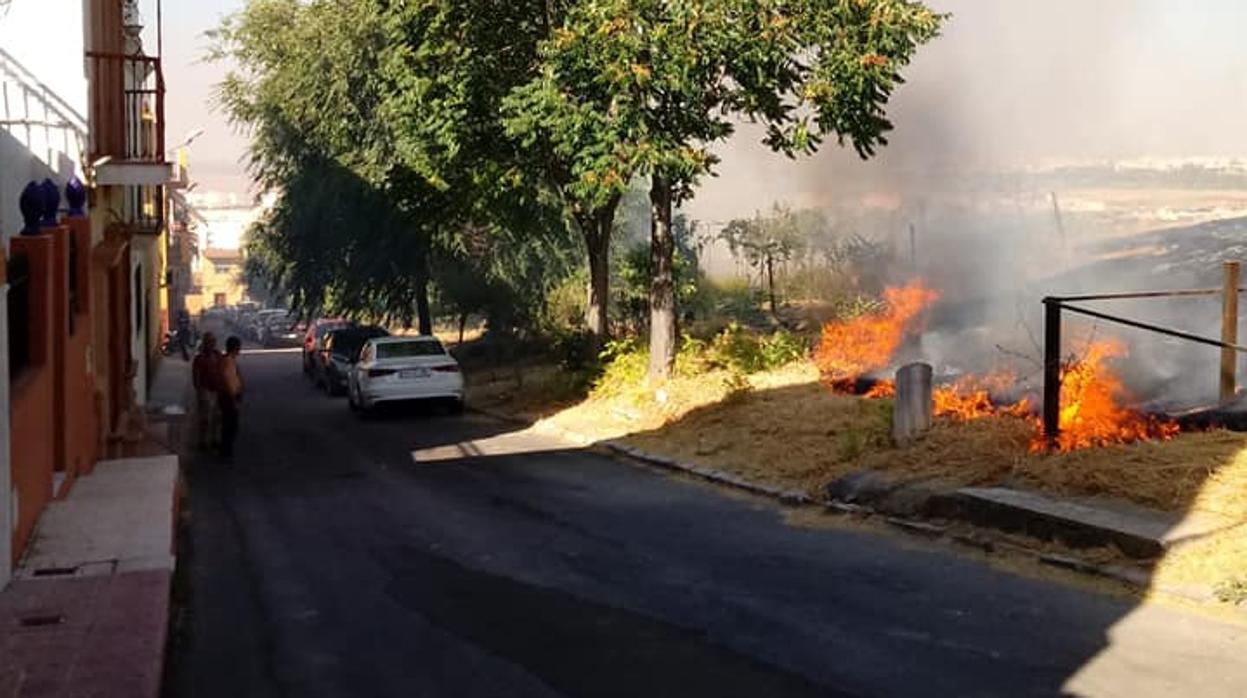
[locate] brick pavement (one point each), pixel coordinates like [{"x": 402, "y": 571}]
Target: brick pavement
[{"x": 99, "y": 636}]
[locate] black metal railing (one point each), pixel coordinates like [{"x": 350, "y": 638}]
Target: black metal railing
[
  {"x": 1054, "y": 305},
  {"x": 18, "y": 271},
  {"x": 127, "y": 107},
  {"x": 142, "y": 207}
]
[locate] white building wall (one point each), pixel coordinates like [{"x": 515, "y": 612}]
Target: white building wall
[{"x": 43, "y": 98}]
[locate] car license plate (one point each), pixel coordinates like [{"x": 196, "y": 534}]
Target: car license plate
[{"x": 414, "y": 373}]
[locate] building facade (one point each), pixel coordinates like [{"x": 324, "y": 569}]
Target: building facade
[{"x": 84, "y": 190}]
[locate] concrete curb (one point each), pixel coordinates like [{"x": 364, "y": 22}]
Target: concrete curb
[
  {"x": 907, "y": 506},
  {"x": 616, "y": 446},
  {"x": 785, "y": 496}
]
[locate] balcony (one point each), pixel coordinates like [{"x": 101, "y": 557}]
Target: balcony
[{"x": 128, "y": 130}]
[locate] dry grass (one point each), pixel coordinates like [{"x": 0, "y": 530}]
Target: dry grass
[{"x": 787, "y": 429}]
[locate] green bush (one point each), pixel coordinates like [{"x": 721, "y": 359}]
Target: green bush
[
  {"x": 737, "y": 349},
  {"x": 625, "y": 364},
  {"x": 566, "y": 303},
  {"x": 574, "y": 349}
]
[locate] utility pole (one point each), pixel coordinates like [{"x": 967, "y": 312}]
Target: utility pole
[
  {"x": 1060, "y": 229},
  {"x": 913, "y": 248}
]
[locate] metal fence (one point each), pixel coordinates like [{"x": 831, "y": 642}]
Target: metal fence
[{"x": 1055, "y": 305}]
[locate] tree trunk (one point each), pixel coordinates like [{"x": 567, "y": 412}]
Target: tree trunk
[
  {"x": 463, "y": 323},
  {"x": 770, "y": 280},
  {"x": 596, "y": 229},
  {"x": 662, "y": 334},
  {"x": 424, "y": 318},
  {"x": 599, "y": 245}
]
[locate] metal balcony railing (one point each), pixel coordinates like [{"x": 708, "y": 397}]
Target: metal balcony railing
[{"x": 127, "y": 107}]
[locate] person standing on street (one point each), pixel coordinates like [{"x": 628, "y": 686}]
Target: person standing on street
[
  {"x": 206, "y": 377},
  {"x": 184, "y": 334},
  {"x": 230, "y": 396}
]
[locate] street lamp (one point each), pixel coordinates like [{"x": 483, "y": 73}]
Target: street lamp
[{"x": 190, "y": 138}]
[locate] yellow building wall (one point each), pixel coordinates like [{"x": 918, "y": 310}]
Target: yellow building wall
[{"x": 212, "y": 282}]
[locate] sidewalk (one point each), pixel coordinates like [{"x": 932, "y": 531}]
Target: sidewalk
[{"x": 87, "y": 613}]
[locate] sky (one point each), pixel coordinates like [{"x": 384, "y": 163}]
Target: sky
[
  {"x": 1009, "y": 82},
  {"x": 216, "y": 157}
]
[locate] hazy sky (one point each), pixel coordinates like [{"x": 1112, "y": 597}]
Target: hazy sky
[
  {"x": 216, "y": 157},
  {"x": 1009, "y": 81}
]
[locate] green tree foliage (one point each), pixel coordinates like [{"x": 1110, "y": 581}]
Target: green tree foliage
[
  {"x": 650, "y": 85},
  {"x": 376, "y": 126}
]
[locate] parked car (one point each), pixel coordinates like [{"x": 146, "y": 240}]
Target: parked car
[
  {"x": 402, "y": 369},
  {"x": 240, "y": 314},
  {"x": 339, "y": 350},
  {"x": 282, "y": 331},
  {"x": 315, "y": 333},
  {"x": 255, "y": 328}
]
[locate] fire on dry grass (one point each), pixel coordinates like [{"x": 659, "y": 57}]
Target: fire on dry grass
[
  {"x": 789, "y": 430},
  {"x": 1093, "y": 398}
]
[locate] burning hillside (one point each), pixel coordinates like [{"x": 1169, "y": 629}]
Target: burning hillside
[{"x": 1094, "y": 400}]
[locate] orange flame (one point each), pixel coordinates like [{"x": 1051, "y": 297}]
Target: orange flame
[
  {"x": 851, "y": 348},
  {"x": 1091, "y": 411},
  {"x": 969, "y": 398},
  {"x": 1092, "y": 394}
]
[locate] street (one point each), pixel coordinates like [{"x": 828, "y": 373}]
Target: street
[{"x": 327, "y": 560}]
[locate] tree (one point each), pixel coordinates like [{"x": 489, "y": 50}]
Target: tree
[
  {"x": 306, "y": 88},
  {"x": 765, "y": 241},
  {"x": 672, "y": 77},
  {"x": 377, "y": 124},
  {"x": 584, "y": 154}
]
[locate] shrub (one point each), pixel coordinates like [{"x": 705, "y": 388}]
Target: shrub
[
  {"x": 625, "y": 365},
  {"x": 566, "y": 303},
  {"x": 1232, "y": 590},
  {"x": 739, "y": 350},
  {"x": 859, "y": 305},
  {"x": 574, "y": 349}
]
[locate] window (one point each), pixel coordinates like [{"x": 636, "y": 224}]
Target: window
[
  {"x": 402, "y": 350},
  {"x": 224, "y": 268}
]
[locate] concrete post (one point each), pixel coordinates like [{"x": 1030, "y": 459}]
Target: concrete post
[{"x": 911, "y": 410}]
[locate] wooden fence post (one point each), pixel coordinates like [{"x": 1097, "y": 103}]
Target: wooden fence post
[{"x": 1229, "y": 331}]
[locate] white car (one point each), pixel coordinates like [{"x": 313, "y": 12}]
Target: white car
[{"x": 402, "y": 369}]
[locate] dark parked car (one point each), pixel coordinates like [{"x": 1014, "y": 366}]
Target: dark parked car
[
  {"x": 282, "y": 331},
  {"x": 339, "y": 350},
  {"x": 316, "y": 331}
]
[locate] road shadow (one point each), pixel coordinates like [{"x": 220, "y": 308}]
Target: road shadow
[
  {"x": 806, "y": 437},
  {"x": 596, "y": 578}
]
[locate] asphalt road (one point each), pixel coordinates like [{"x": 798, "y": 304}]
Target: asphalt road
[{"x": 326, "y": 560}]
